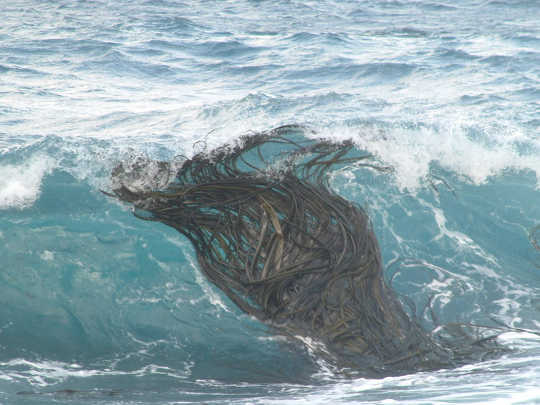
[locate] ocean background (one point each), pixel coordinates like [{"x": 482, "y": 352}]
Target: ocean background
[{"x": 98, "y": 307}]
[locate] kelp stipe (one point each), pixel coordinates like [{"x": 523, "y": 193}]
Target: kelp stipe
[{"x": 271, "y": 235}]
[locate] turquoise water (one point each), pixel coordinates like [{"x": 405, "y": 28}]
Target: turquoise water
[{"x": 98, "y": 307}]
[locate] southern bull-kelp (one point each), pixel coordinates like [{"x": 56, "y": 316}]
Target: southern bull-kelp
[{"x": 270, "y": 233}]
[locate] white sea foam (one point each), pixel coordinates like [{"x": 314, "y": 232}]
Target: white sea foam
[
  {"x": 43, "y": 373},
  {"x": 20, "y": 185},
  {"x": 209, "y": 293},
  {"x": 47, "y": 373},
  {"x": 411, "y": 151},
  {"x": 47, "y": 255}
]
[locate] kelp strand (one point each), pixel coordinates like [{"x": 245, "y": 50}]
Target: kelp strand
[{"x": 270, "y": 233}]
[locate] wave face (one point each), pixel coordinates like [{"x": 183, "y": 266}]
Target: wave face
[{"x": 99, "y": 307}]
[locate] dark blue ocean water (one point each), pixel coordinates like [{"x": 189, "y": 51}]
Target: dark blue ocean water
[{"x": 97, "y": 307}]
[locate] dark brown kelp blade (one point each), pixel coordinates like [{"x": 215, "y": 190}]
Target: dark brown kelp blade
[{"x": 284, "y": 248}]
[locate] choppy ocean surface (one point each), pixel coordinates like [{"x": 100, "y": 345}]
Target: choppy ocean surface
[{"x": 97, "y": 307}]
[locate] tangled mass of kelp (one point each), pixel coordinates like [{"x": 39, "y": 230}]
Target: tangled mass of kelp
[{"x": 271, "y": 235}]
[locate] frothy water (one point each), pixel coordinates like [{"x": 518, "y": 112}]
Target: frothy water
[
  {"x": 20, "y": 185},
  {"x": 98, "y": 307}
]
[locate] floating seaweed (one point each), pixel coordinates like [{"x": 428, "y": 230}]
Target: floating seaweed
[{"x": 270, "y": 233}]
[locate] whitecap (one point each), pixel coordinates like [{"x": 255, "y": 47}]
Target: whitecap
[{"x": 20, "y": 185}]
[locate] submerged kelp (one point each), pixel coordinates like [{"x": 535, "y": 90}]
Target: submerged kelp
[{"x": 270, "y": 233}]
